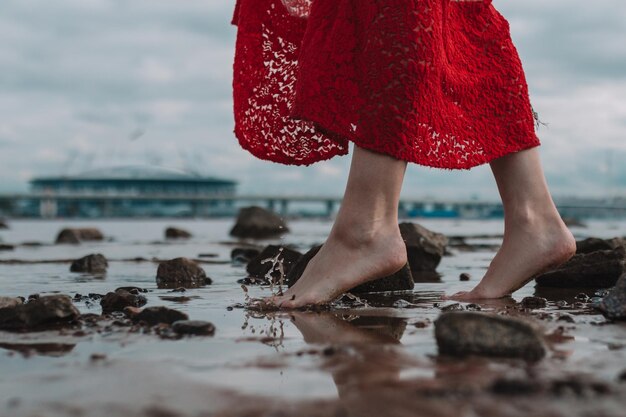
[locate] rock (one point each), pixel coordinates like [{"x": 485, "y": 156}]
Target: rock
[
  {"x": 7, "y": 247},
  {"x": 464, "y": 276},
  {"x": 175, "y": 233},
  {"x": 599, "y": 269},
  {"x": 400, "y": 281},
  {"x": 471, "y": 333},
  {"x": 47, "y": 310},
  {"x": 273, "y": 259},
  {"x": 181, "y": 272},
  {"x": 132, "y": 290},
  {"x": 424, "y": 248},
  {"x": 156, "y": 315},
  {"x": 593, "y": 244},
  {"x": 534, "y": 302},
  {"x": 118, "y": 300},
  {"x": 613, "y": 306},
  {"x": 79, "y": 235},
  {"x": 194, "y": 327},
  {"x": 258, "y": 223},
  {"x": 244, "y": 255},
  {"x": 95, "y": 263},
  {"x": 10, "y": 302},
  {"x": 3, "y": 224}
]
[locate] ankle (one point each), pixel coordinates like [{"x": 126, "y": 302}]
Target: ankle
[
  {"x": 355, "y": 233},
  {"x": 531, "y": 217}
]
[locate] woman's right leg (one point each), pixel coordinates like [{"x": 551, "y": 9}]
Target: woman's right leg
[{"x": 365, "y": 241}]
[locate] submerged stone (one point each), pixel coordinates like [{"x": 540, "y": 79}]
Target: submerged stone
[
  {"x": 273, "y": 260},
  {"x": 155, "y": 315},
  {"x": 599, "y": 269},
  {"x": 424, "y": 247},
  {"x": 613, "y": 306},
  {"x": 79, "y": 235},
  {"x": 194, "y": 327},
  {"x": 399, "y": 281},
  {"x": 43, "y": 311},
  {"x": 181, "y": 272},
  {"x": 176, "y": 233},
  {"x": 95, "y": 263},
  {"x": 258, "y": 223},
  {"x": 120, "y": 299},
  {"x": 471, "y": 333}
]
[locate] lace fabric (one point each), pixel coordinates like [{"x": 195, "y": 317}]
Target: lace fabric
[{"x": 434, "y": 82}]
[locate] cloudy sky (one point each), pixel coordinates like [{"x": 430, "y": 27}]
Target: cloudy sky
[{"x": 96, "y": 83}]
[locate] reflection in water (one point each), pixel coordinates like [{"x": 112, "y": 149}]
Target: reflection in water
[{"x": 46, "y": 349}]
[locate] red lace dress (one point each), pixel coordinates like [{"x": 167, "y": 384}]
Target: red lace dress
[{"x": 434, "y": 82}]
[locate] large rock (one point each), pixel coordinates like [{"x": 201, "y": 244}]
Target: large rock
[
  {"x": 244, "y": 255},
  {"x": 273, "y": 260},
  {"x": 593, "y": 244},
  {"x": 613, "y": 306},
  {"x": 181, "y": 272},
  {"x": 120, "y": 299},
  {"x": 43, "y": 311},
  {"x": 599, "y": 269},
  {"x": 471, "y": 333},
  {"x": 424, "y": 247},
  {"x": 399, "y": 281},
  {"x": 93, "y": 264},
  {"x": 258, "y": 223},
  {"x": 176, "y": 233},
  {"x": 157, "y": 315},
  {"x": 79, "y": 235}
]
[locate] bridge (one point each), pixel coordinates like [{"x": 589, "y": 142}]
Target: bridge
[{"x": 46, "y": 205}]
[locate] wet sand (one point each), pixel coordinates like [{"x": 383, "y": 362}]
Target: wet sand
[{"x": 376, "y": 356}]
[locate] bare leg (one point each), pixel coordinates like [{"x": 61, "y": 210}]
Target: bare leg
[
  {"x": 535, "y": 237},
  {"x": 365, "y": 241}
]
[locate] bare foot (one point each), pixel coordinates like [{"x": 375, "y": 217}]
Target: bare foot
[
  {"x": 346, "y": 260},
  {"x": 527, "y": 250}
]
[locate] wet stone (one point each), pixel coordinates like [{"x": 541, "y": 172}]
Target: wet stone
[
  {"x": 194, "y": 327},
  {"x": 181, "y": 272},
  {"x": 424, "y": 247},
  {"x": 155, "y": 315},
  {"x": 10, "y": 302},
  {"x": 582, "y": 297},
  {"x": 534, "y": 302},
  {"x": 44, "y": 311},
  {"x": 452, "y": 307},
  {"x": 599, "y": 269},
  {"x": 176, "y": 233},
  {"x": 464, "y": 277},
  {"x": 593, "y": 244},
  {"x": 5, "y": 247},
  {"x": 258, "y": 223},
  {"x": 95, "y": 263},
  {"x": 118, "y": 300},
  {"x": 3, "y": 224},
  {"x": 470, "y": 333},
  {"x": 244, "y": 255},
  {"x": 509, "y": 386},
  {"x": 275, "y": 261},
  {"x": 132, "y": 290},
  {"x": 79, "y": 235},
  {"x": 399, "y": 281},
  {"x": 613, "y": 306}
]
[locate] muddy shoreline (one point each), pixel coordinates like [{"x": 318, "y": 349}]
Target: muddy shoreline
[{"x": 368, "y": 356}]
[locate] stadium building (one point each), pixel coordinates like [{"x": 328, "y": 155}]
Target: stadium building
[{"x": 133, "y": 191}]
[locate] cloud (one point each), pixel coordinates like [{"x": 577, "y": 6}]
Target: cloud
[{"x": 81, "y": 78}]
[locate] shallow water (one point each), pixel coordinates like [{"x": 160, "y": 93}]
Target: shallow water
[{"x": 278, "y": 356}]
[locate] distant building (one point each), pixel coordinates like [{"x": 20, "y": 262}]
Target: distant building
[{"x": 132, "y": 191}]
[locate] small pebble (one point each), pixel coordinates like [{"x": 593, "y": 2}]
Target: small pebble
[{"x": 465, "y": 277}]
